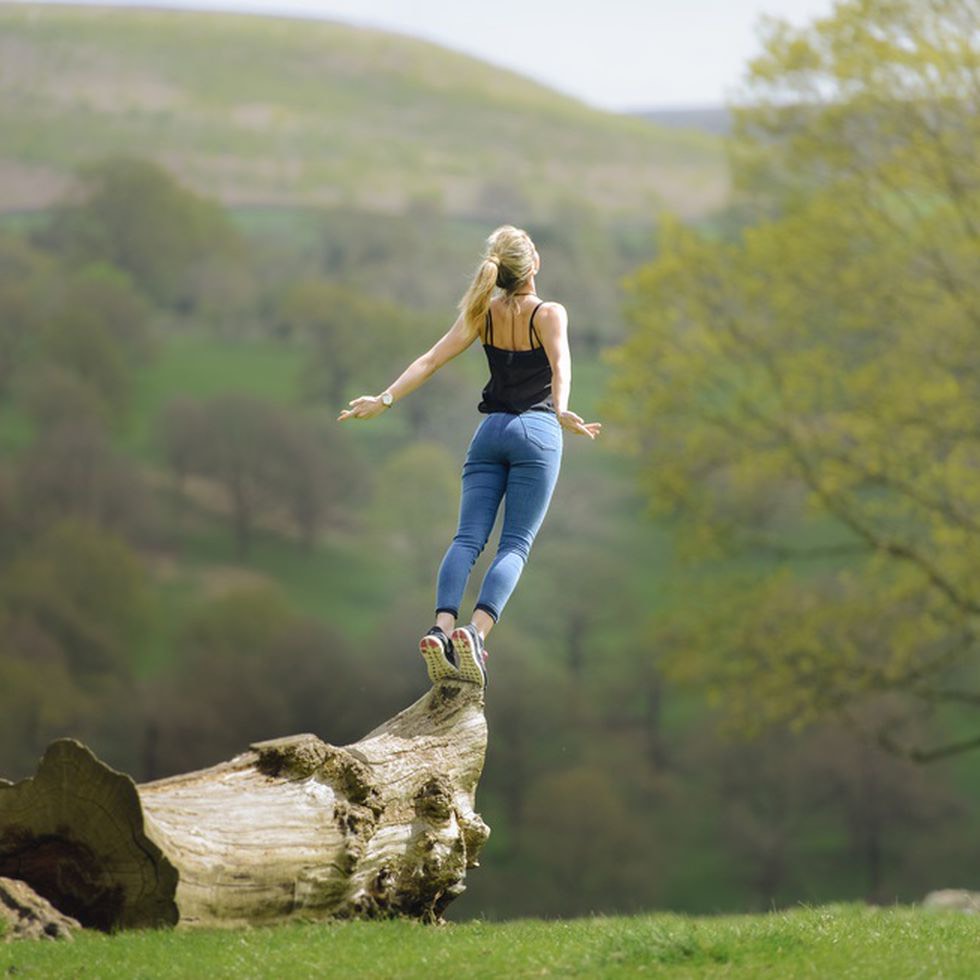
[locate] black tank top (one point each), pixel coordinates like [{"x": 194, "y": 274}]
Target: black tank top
[{"x": 520, "y": 380}]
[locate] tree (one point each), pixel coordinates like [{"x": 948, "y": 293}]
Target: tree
[
  {"x": 84, "y": 590},
  {"x": 109, "y": 294},
  {"x": 76, "y": 341},
  {"x": 232, "y": 445},
  {"x": 77, "y": 335},
  {"x": 269, "y": 464},
  {"x": 52, "y": 395},
  {"x": 22, "y": 272},
  {"x": 579, "y": 828},
  {"x": 19, "y": 321},
  {"x": 246, "y": 661},
  {"x": 133, "y": 214},
  {"x": 418, "y": 525},
  {"x": 317, "y": 477},
  {"x": 72, "y": 472},
  {"x": 802, "y": 396},
  {"x": 355, "y": 339}
]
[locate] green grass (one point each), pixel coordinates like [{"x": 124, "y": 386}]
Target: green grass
[
  {"x": 16, "y": 431},
  {"x": 201, "y": 366},
  {"x": 839, "y": 941}
]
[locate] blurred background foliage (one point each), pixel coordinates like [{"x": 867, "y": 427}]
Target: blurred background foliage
[{"x": 750, "y": 616}]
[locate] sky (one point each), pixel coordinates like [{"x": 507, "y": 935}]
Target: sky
[{"x": 613, "y": 54}]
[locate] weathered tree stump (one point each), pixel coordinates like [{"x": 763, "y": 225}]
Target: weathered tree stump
[{"x": 292, "y": 827}]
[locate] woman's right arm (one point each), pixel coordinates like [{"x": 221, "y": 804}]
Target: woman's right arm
[{"x": 459, "y": 336}]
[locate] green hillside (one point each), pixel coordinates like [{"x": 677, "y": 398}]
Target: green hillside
[{"x": 264, "y": 111}]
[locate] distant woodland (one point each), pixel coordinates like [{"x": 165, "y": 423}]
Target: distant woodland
[{"x": 743, "y": 652}]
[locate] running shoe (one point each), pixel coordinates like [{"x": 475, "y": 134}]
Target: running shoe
[
  {"x": 437, "y": 652},
  {"x": 471, "y": 657}
]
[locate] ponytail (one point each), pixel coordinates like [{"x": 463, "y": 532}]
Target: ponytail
[
  {"x": 508, "y": 262},
  {"x": 476, "y": 300}
]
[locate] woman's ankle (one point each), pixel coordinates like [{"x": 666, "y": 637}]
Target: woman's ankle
[{"x": 482, "y": 622}]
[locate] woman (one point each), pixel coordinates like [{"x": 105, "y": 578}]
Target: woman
[{"x": 515, "y": 453}]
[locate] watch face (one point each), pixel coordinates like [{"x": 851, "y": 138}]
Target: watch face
[{"x": 386, "y": 398}]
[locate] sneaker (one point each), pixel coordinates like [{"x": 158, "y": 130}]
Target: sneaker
[
  {"x": 470, "y": 654},
  {"x": 437, "y": 652}
]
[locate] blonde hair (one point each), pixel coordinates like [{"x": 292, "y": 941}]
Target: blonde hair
[{"x": 507, "y": 264}]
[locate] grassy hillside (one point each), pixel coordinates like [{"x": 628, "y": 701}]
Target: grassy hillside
[
  {"x": 836, "y": 941},
  {"x": 256, "y": 110}
]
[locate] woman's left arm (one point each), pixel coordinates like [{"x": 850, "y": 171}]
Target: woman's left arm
[
  {"x": 459, "y": 336},
  {"x": 552, "y": 324}
]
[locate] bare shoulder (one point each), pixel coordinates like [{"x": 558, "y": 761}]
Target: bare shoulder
[{"x": 552, "y": 316}]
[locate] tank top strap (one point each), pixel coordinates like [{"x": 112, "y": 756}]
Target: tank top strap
[
  {"x": 532, "y": 333},
  {"x": 489, "y": 329}
]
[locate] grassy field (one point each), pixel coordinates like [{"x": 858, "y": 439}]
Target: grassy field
[
  {"x": 258, "y": 110},
  {"x": 839, "y": 941}
]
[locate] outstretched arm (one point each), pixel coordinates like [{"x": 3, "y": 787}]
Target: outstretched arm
[
  {"x": 552, "y": 326},
  {"x": 459, "y": 336}
]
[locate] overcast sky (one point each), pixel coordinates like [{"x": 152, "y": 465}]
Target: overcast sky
[{"x": 616, "y": 54}]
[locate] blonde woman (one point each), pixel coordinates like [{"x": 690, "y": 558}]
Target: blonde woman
[{"x": 516, "y": 451}]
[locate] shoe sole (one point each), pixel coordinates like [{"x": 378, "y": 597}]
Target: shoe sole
[
  {"x": 435, "y": 660},
  {"x": 469, "y": 660}
]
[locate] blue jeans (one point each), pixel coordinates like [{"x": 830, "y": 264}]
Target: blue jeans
[{"x": 516, "y": 457}]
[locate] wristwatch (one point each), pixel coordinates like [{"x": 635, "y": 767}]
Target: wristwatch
[{"x": 387, "y": 398}]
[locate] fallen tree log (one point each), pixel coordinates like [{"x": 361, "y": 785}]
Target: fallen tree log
[{"x": 292, "y": 827}]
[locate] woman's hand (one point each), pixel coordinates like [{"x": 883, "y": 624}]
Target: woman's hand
[
  {"x": 365, "y": 407},
  {"x": 575, "y": 423}
]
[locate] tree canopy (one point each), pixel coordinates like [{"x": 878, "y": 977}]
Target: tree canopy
[
  {"x": 803, "y": 393},
  {"x": 135, "y": 215}
]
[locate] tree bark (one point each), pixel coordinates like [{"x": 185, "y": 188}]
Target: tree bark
[
  {"x": 26, "y": 915},
  {"x": 292, "y": 827}
]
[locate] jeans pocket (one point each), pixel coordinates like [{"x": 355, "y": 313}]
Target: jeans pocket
[{"x": 542, "y": 432}]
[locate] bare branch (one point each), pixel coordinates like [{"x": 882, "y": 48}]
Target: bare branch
[{"x": 927, "y": 755}]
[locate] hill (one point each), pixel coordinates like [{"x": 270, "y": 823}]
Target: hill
[
  {"x": 267, "y": 111},
  {"x": 710, "y": 119}
]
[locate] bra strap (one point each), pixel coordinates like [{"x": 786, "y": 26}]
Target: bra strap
[{"x": 532, "y": 333}]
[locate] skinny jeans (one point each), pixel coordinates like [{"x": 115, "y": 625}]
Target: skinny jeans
[{"x": 514, "y": 458}]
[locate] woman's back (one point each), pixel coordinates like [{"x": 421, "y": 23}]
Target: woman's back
[
  {"x": 520, "y": 372},
  {"x": 509, "y": 329}
]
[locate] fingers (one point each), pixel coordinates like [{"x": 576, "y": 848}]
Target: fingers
[
  {"x": 576, "y": 424},
  {"x": 352, "y": 413},
  {"x": 360, "y": 409},
  {"x": 590, "y": 429}
]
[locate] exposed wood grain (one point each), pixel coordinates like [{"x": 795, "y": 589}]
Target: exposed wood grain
[{"x": 293, "y": 826}]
